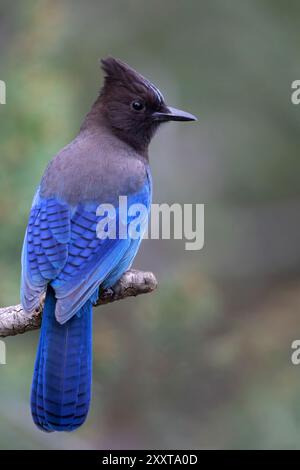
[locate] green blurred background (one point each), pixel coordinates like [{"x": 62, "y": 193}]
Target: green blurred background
[{"x": 204, "y": 362}]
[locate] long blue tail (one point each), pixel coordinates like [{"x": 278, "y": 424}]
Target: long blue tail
[{"x": 61, "y": 387}]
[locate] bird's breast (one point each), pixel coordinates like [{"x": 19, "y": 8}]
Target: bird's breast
[{"x": 83, "y": 173}]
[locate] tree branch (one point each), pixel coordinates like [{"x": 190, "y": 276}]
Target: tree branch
[{"x": 14, "y": 320}]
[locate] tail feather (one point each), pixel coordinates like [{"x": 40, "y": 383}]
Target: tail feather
[
  {"x": 61, "y": 385},
  {"x": 37, "y": 402}
]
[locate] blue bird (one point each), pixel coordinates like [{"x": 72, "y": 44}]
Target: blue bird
[{"x": 63, "y": 256}]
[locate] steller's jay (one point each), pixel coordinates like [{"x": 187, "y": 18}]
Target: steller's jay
[{"x": 63, "y": 256}]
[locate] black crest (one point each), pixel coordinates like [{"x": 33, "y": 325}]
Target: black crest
[{"x": 121, "y": 74}]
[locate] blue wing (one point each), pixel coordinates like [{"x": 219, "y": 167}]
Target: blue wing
[
  {"x": 45, "y": 248},
  {"x": 62, "y": 248}
]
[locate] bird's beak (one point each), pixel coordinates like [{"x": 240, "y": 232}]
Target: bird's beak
[{"x": 173, "y": 114}]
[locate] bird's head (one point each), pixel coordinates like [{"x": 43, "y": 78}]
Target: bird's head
[{"x": 132, "y": 106}]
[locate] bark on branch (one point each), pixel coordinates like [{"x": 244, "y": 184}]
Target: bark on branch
[{"x": 14, "y": 321}]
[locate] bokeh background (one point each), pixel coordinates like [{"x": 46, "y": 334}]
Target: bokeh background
[{"x": 205, "y": 361}]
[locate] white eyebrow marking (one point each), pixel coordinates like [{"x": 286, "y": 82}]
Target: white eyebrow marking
[
  {"x": 155, "y": 91},
  {"x": 158, "y": 93}
]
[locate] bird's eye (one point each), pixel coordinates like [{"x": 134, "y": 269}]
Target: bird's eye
[{"x": 137, "y": 105}]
